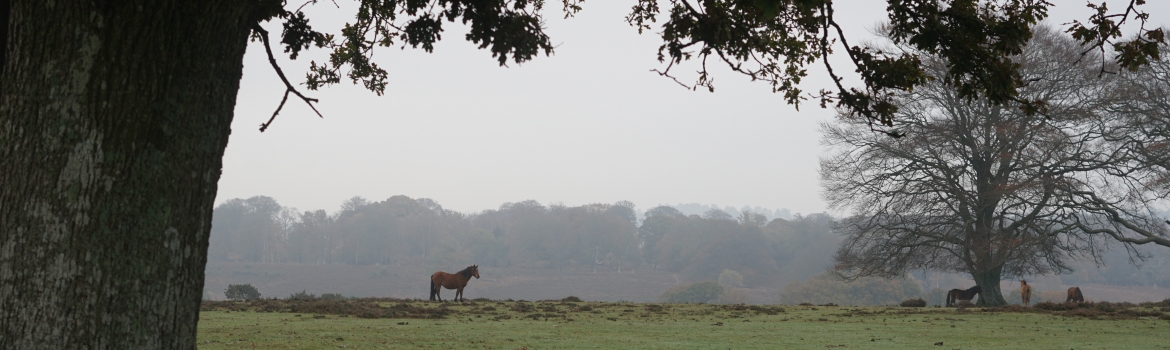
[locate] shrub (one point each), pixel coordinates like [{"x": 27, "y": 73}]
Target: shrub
[
  {"x": 301, "y": 296},
  {"x": 696, "y": 293},
  {"x": 241, "y": 292},
  {"x": 332, "y": 296},
  {"x": 917, "y": 302},
  {"x": 571, "y": 299}
]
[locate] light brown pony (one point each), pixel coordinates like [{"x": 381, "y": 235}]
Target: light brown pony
[
  {"x": 1074, "y": 294},
  {"x": 1025, "y": 292},
  {"x": 454, "y": 281}
]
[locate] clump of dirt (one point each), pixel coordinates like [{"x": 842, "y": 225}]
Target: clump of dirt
[
  {"x": 522, "y": 307},
  {"x": 917, "y": 302},
  {"x": 1099, "y": 306},
  {"x": 759, "y": 309}
]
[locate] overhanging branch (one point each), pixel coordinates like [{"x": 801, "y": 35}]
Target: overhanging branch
[{"x": 288, "y": 86}]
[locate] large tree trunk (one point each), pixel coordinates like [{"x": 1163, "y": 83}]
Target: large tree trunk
[
  {"x": 989, "y": 282},
  {"x": 113, "y": 121}
]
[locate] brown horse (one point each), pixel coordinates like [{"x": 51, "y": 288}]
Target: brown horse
[
  {"x": 966, "y": 295},
  {"x": 454, "y": 281},
  {"x": 1025, "y": 292},
  {"x": 1074, "y": 294}
]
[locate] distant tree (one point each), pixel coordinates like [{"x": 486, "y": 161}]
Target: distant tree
[
  {"x": 311, "y": 238},
  {"x": 717, "y": 214},
  {"x": 802, "y": 247},
  {"x": 992, "y": 190},
  {"x": 702, "y": 247},
  {"x": 487, "y": 249},
  {"x": 658, "y": 222},
  {"x": 449, "y": 254},
  {"x": 731, "y": 245},
  {"x": 625, "y": 210},
  {"x": 730, "y": 278},
  {"x": 752, "y": 219},
  {"x": 241, "y": 292},
  {"x": 252, "y": 229},
  {"x": 353, "y": 204}
]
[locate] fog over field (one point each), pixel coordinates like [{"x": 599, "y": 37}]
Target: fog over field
[{"x": 602, "y": 252}]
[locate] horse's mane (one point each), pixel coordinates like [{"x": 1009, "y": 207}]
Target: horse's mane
[
  {"x": 975, "y": 289},
  {"x": 466, "y": 272}
]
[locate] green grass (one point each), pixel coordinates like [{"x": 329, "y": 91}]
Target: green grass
[{"x": 556, "y": 325}]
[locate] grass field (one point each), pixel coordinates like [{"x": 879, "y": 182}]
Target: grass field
[{"x": 413, "y": 324}]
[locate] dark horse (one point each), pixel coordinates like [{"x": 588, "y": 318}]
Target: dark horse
[
  {"x": 958, "y": 294},
  {"x": 1074, "y": 294},
  {"x": 454, "y": 281}
]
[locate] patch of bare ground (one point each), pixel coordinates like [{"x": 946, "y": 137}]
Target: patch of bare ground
[
  {"x": 363, "y": 308},
  {"x": 1095, "y": 310}
]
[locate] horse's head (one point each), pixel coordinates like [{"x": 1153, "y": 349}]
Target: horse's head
[
  {"x": 475, "y": 270},
  {"x": 1024, "y": 282}
]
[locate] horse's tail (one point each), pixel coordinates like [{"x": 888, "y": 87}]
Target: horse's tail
[{"x": 950, "y": 298}]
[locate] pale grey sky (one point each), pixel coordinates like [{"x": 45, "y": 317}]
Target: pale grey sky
[{"x": 590, "y": 124}]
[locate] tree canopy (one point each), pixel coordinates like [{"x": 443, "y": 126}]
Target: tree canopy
[{"x": 775, "y": 41}]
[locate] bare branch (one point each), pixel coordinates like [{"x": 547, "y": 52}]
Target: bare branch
[{"x": 288, "y": 86}]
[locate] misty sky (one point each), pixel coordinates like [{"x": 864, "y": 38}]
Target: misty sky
[{"x": 589, "y": 124}]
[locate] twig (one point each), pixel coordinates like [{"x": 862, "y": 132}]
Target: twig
[{"x": 288, "y": 86}]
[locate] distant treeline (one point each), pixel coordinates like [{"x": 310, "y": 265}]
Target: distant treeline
[{"x": 594, "y": 237}]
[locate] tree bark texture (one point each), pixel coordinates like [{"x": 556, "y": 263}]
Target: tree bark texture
[
  {"x": 988, "y": 281},
  {"x": 114, "y": 116}
]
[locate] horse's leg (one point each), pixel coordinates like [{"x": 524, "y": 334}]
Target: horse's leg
[{"x": 459, "y": 294}]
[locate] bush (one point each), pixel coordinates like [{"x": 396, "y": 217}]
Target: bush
[
  {"x": 703, "y": 292},
  {"x": 241, "y": 292},
  {"x": 571, "y": 299},
  {"x": 301, "y": 296},
  {"x": 332, "y": 296},
  {"x": 917, "y": 302}
]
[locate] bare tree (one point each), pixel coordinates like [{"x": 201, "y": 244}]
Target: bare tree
[{"x": 990, "y": 190}]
